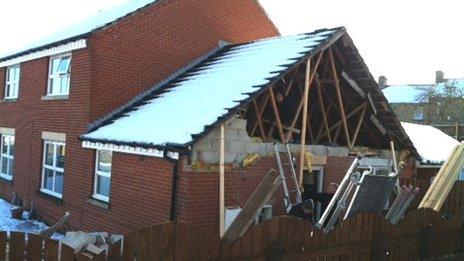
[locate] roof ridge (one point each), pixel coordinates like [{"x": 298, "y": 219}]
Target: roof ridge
[{"x": 158, "y": 86}]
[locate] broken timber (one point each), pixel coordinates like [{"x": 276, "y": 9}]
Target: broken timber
[
  {"x": 258, "y": 199},
  {"x": 444, "y": 181}
]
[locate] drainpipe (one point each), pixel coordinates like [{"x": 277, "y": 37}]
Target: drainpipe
[{"x": 175, "y": 174}]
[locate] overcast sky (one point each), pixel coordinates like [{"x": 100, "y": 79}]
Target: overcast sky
[{"x": 406, "y": 40}]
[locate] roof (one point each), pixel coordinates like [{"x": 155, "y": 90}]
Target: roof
[
  {"x": 180, "y": 110},
  {"x": 82, "y": 29},
  {"x": 433, "y": 145},
  {"x": 411, "y": 93},
  {"x": 185, "y": 106},
  {"x": 408, "y": 93}
]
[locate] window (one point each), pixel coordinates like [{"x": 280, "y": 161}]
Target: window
[
  {"x": 461, "y": 175},
  {"x": 7, "y": 156},
  {"x": 419, "y": 114},
  {"x": 12, "y": 82},
  {"x": 59, "y": 75},
  {"x": 53, "y": 168},
  {"x": 102, "y": 175}
]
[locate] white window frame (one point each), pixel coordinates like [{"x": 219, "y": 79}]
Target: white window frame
[
  {"x": 103, "y": 174},
  {"x": 6, "y": 155},
  {"x": 53, "y": 168},
  {"x": 418, "y": 114},
  {"x": 55, "y": 76},
  {"x": 12, "y": 85}
]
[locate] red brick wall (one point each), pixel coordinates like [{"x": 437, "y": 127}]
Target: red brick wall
[
  {"x": 169, "y": 35},
  {"x": 119, "y": 63},
  {"x": 198, "y": 195}
]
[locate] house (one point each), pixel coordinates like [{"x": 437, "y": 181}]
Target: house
[
  {"x": 434, "y": 147},
  {"x": 55, "y": 87},
  {"x": 411, "y": 104},
  {"x": 126, "y": 130}
]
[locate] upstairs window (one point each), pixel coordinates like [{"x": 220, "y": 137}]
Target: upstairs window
[
  {"x": 7, "y": 156},
  {"x": 103, "y": 175},
  {"x": 53, "y": 168},
  {"x": 59, "y": 75},
  {"x": 419, "y": 114},
  {"x": 12, "y": 82}
]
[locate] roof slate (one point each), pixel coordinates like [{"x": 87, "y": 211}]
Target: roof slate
[{"x": 81, "y": 29}]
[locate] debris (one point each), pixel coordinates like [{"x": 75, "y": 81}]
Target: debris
[
  {"x": 250, "y": 159},
  {"x": 94, "y": 243},
  {"x": 444, "y": 181},
  {"x": 60, "y": 223},
  {"x": 258, "y": 199},
  {"x": 402, "y": 202}
]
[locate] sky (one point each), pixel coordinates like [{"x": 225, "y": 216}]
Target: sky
[{"x": 405, "y": 40}]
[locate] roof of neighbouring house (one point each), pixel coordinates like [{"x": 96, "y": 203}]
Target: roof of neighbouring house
[
  {"x": 433, "y": 145},
  {"x": 415, "y": 93},
  {"x": 81, "y": 29},
  {"x": 408, "y": 93},
  {"x": 190, "y": 103}
]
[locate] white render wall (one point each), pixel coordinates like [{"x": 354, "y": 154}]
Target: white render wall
[{"x": 238, "y": 145}]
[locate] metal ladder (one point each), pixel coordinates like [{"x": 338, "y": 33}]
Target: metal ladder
[{"x": 296, "y": 189}]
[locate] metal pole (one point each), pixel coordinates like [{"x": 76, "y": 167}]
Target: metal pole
[{"x": 339, "y": 191}]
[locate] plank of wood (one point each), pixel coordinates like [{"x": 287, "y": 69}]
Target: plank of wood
[
  {"x": 17, "y": 246},
  {"x": 308, "y": 79},
  {"x": 353, "y": 84},
  {"x": 221, "y": 182},
  {"x": 67, "y": 253},
  {"x": 3, "y": 240},
  {"x": 50, "y": 250},
  {"x": 260, "y": 196},
  {"x": 114, "y": 251},
  {"x": 258, "y": 119},
  {"x": 276, "y": 114},
  {"x": 339, "y": 96},
  {"x": 34, "y": 248}
]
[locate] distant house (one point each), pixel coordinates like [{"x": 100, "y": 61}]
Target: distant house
[
  {"x": 410, "y": 103},
  {"x": 433, "y": 146}
]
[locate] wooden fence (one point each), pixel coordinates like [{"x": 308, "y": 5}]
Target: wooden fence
[{"x": 422, "y": 234}]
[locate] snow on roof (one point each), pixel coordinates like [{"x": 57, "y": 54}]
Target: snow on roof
[
  {"x": 409, "y": 93},
  {"x": 433, "y": 145},
  {"x": 82, "y": 28},
  {"x": 201, "y": 96}
]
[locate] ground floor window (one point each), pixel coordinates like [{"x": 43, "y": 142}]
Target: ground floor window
[
  {"x": 102, "y": 175},
  {"x": 7, "y": 156},
  {"x": 53, "y": 168}
]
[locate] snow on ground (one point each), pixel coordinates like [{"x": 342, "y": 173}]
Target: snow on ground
[
  {"x": 7, "y": 223},
  {"x": 433, "y": 145}
]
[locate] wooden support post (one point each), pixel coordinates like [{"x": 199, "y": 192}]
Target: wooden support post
[
  {"x": 261, "y": 111},
  {"x": 358, "y": 126},
  {"x": 339, "y": 95},
  {"x": 324, "y": 115},
  {"x": 304, "y": 121},
  {"x": 276, "y": 114},
  {"x": 221, "y": 183},
  {"x": 258, "y": 119}
]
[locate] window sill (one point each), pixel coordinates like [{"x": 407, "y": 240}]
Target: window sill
[
  {"x": 98, "y": 203},
  {"x": 9, "y": 100},
  {"x": 54, "y": 97},
  {"x": 6, "y": 179},
  {"x": 52, "y": 198}
]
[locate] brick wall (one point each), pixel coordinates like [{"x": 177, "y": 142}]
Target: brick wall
[
  {"x": 165, "y": 37},
  {"x": 121, "y": 61},
  {"x": 198, "y": 194}
]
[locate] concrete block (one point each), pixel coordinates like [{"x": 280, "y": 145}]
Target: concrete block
[
  {"x": 231, "y": 134},
  {"x": 209, "y": 157},
  {"x": 236, "y": 146},
  {"x": 203, "y": 144},
  {"x": 243, "y": 135},
  {"x": 239, "y": 124}
]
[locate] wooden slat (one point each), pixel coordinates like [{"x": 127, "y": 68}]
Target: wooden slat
[
  {"x": 66, "y": 253},
  {"x": 34, "y": 248},
  {"x": 51, "y": 250},
  {"x": 276, "y": 114},
  {"x": 3, "y": 241},
  {"x": 114, "y": 251},
  {"x": 258, "y": 119},
  {"x": 17, "y": 246}
]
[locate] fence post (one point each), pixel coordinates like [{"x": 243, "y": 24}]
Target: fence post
[
  {"x": 379, "y": 246},
  {"x": 426, "y": 238}
]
